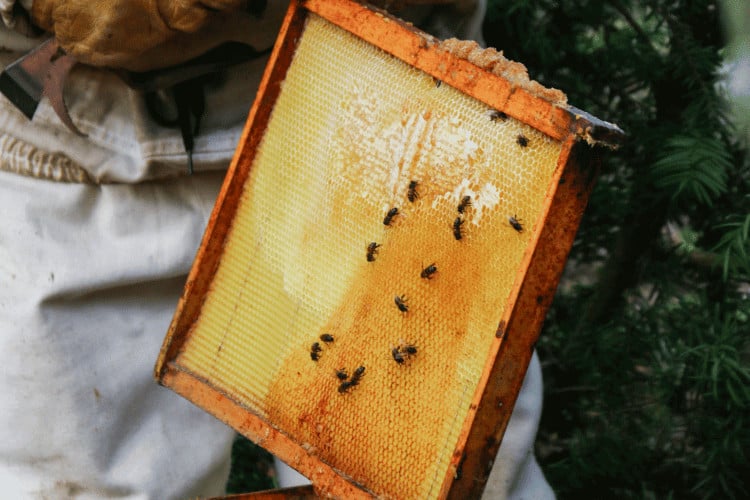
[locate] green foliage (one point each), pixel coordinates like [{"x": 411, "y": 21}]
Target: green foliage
[
  {"x": 734, "y": 248},
  {"x": 645, "y": 350},
  {"x": 693, "y": 168}
]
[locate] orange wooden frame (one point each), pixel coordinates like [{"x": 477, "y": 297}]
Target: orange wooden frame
[{"x": 505, "y": 369}]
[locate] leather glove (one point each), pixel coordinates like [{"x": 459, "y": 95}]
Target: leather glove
[{"x": 140, "y": 35}]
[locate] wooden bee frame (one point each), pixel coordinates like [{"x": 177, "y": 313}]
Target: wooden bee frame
[{"x": 547, "y": 239}]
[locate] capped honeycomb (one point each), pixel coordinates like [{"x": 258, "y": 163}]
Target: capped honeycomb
[{"x": 373, "y": 254}]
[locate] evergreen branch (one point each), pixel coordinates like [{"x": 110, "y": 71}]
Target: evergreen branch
[
  {"x": 734, "y": 247},
  {"x": 704, "y": 260},
  {"x": 676, "y": 30},
  {"x": 633, "y": 24},
  {"x": 694, "y": 166}
]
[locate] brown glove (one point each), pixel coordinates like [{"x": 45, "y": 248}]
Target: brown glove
[{"x": 140, "y": 35}]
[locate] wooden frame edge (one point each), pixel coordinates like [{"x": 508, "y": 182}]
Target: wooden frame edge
[
  {"x": 294, "y": 493},
  {"x": 461, "y": 450},
  {"x": 327, "y": 482},
  {"x": 523, "y": 329},
  {"x": 423, "y": 51}
]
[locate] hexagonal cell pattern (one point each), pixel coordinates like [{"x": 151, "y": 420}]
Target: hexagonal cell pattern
[{"x": 354, "y": 134}]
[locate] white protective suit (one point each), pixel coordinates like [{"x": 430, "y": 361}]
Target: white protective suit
[{"x": 97, "y": 234}]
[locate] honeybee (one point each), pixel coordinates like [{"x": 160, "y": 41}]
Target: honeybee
[
  {"x": 327, "y": 338},
  {"x": 457, "y": 228},
  {"x": 412, "y": 194},
  {"x": 403, "y": 352},
  {"x": 398, "y": 356},
  {"x": 341, "y": 374},
  {"x": 390, "y": 215},
  {"x": 372, "y": 249},
  {"x": 352, "y": 382},
  {"x": 315, "y": 351},
  {"x": 522, "y": 141},
  {"x": 428, "y": 271},
  {"x": 465, "y": 202},
  {"x": 497, "y": 115},
  {"x": 400, "y": 301},
  {"x": 516, "y": 223}
]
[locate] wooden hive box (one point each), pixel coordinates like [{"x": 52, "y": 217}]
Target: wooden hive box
[{"x": 381, "y": 256}]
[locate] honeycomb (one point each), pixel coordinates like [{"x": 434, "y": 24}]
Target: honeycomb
[{"x": 364, "y": 341}]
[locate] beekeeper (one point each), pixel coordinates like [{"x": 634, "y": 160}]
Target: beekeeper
[{"x": 97, "y": 235}]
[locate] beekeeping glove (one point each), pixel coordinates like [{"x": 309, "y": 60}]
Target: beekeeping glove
[{"x": 140, "y": 35}]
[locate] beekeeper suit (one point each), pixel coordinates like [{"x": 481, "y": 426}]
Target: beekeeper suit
[{"x": 97, "y": 235}]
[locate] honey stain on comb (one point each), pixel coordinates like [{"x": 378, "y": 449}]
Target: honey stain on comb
[
  {"x": 398, "y": 417},
  {"x": 394, "y": 430}
]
